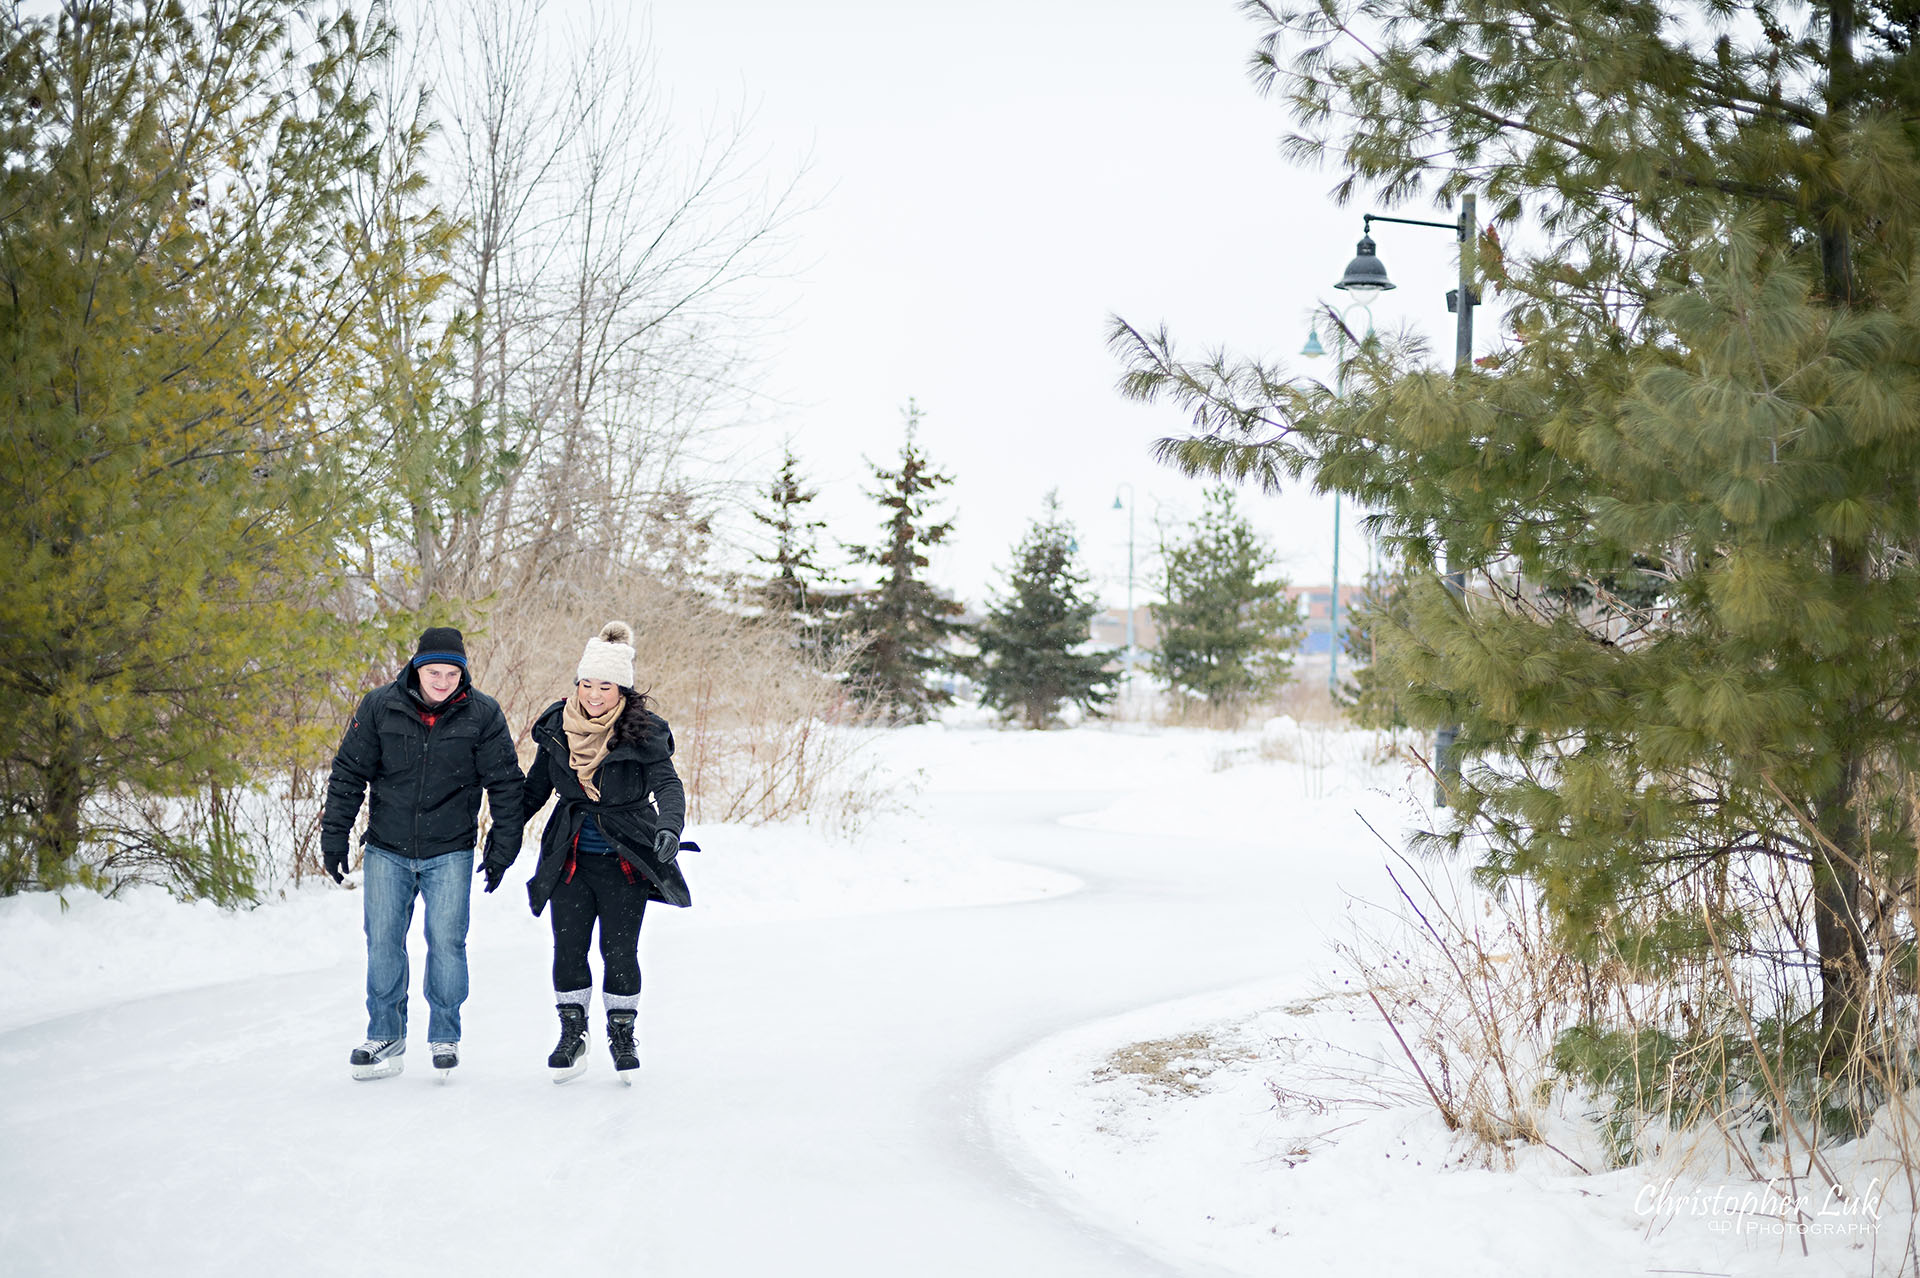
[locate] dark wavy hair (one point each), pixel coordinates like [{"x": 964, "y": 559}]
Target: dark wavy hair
[{"x": 632, "y": 726}]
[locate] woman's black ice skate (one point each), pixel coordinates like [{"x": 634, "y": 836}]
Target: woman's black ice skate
[
  {"x": 620, "y": 1042},
  {"x": 569, "y": 1057}
]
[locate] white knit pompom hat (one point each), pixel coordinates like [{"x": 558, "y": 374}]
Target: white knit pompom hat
[{"x": 610, "y": 657}]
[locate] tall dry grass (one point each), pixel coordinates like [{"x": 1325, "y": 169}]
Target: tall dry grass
[
  {"x": 1473, "y": 992},
  {"x": 764, "y": 729},
  {"x": 1704, "y": 1062},
  {"x": 1305, "y": 698}
]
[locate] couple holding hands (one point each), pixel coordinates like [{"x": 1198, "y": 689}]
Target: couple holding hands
[{"x": 424, "y": 747}]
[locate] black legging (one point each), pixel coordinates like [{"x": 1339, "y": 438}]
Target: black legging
[{"x": 599, "y": 887}]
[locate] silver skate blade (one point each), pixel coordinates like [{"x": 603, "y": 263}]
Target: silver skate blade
[
  {"x": 626, "y": 1077},
  {"x": 379, "y": 1069},
  {"x": 572, "y": 1071}
]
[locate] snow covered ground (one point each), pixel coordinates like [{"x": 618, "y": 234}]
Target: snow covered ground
[{"x": 1066, "y": 1013}]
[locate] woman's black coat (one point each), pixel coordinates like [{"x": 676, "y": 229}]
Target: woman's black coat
[{"x": 639, "y": 764}]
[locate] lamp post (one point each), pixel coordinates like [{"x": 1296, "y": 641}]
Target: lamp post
[
  {"x": 1365, "y": 279},
  {"x": 1461, "y": 302},
  {"x": 1129, "y": 510}
]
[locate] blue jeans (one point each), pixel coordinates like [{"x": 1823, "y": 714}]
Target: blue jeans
[{"x": 389, "y": 884}]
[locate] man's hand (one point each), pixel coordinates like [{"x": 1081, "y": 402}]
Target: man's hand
[
  {"x": 666, "y": 846},
  {"x": 335, "y": 863},
  {"x": 495, "y": 872}
]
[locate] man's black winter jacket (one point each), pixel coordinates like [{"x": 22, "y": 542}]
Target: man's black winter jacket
[{"x": 425, "y": 770}]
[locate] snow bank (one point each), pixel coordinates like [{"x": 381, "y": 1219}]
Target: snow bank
[
  {"x": 63, "y": 955},
  {"x": 1271, "y": 1129}
]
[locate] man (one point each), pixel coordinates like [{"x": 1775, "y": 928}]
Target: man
[{"x": 426, "y": 744}]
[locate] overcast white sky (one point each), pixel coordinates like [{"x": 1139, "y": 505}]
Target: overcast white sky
[{"x": 993, "y": 180}]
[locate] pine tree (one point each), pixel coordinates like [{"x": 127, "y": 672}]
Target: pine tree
[
  {"x": 1228, "y": 629},
  {"x": 791, "y": 591},
  {"x": 903, "y": 626},
  {"x": 1370, "y": 688},
  {"x": 1034, "y": 657},
  {"x": 1698, "y": 455},
  {"x": 178, "y": 283}
]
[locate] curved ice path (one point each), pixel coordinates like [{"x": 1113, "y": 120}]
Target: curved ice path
[{"x": 810, "y": 1101}]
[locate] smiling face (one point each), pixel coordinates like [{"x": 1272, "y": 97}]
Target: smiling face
[
  {"x": 597, "y": 696},
  {"x": 438, "y": 679}
]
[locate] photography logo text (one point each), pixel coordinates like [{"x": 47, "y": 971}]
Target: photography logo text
[{"x": 1769, "y": 1209}]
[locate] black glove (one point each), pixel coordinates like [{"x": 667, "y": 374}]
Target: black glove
[
  {"x": 666, "y": 846},
  {"x": 494, "y": 870},
  {"x": 334, "y": 863}
]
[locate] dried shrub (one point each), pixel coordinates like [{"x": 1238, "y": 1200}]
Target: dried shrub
[
  {"x": 1711, "y": 1058},
  {"x": 1473, "y": 994},
  {"x": 1178, "y": 1064},
  {"x": 763, "y": 727}
]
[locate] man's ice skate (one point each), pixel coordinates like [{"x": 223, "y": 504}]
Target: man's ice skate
[
  {"x": 445, "y": 1057},
  {"x": 378, "y": 1058}
]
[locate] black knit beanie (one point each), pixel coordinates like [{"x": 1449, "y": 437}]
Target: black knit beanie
[{"x": 440, "y": 643}]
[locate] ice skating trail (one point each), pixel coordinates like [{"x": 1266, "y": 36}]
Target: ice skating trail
[{"x": 809, "y": 1101}]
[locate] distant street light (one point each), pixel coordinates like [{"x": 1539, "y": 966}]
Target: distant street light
[
  {"x": 1366, "y": 279},
  {"x": 1128, "y": 507}
]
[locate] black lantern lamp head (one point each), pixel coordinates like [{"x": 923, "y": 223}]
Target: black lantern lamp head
[{"x": 1366, "y": 276}]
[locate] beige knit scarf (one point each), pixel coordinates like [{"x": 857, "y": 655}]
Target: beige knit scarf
[{"x": 589, "y": 738}]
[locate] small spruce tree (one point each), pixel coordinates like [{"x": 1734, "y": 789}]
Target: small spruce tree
[
  {"x": 791, "y": 590},
  {"x": 1228, "y": 631},
  {"x": 902, "y": 625},
  {"x": 1034, "y": 658}
]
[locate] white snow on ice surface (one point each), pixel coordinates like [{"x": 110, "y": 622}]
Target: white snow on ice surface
[{"x": 889, "y": 1055}]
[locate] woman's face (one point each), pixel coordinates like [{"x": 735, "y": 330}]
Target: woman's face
[{"x": 597, "y": 696}]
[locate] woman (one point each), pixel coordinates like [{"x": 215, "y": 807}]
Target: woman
[{"x": 608, "y": 849}]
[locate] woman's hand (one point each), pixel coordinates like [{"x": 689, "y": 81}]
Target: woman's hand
[{"x": 666, "y": 846}]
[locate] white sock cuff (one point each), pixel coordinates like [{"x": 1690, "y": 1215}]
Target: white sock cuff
[
  {"x": 620, "y": 1002},
  {"x": 579, "y": 998}
]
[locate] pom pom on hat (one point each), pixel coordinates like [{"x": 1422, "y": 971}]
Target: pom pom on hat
[{"x": 609, "y": 657}]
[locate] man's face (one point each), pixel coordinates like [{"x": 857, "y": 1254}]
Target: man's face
[{"x": 438, "y": 679}]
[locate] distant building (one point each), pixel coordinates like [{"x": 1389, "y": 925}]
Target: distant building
[
  {"x": 1110, "y": 626},
  {"x": 1319, "y": 609},
  {"x": 1110, "y": 629}
]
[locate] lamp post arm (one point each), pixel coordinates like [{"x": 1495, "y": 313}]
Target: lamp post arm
[
  {"x": 1340, "y": 329},
  {"x": 1458, "y": 228}
]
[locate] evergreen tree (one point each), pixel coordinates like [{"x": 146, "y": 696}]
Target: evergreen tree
[
  {"x": 1370, "y": 689},
  {"x": 179, "y": 396},
  {"x": 1699, "y": 454},
  {"x": 1228, "y": 629},
  {"x": 903, "y": 625},
  {"x": 791, "y": 589},
  {"x": 1033, "y": 642}
]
